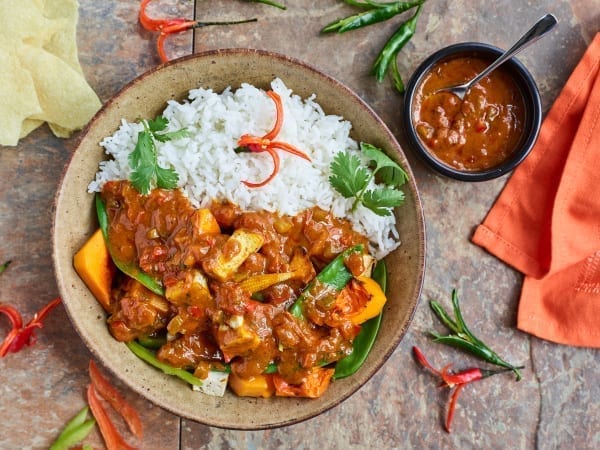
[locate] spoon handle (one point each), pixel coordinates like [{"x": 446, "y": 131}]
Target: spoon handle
[{"x": 540, "y": 28}]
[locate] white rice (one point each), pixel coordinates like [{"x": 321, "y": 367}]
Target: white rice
[{"x": 209, "y": 169}]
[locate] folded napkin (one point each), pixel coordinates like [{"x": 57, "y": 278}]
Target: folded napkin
[
  {"x": 40, "y": 76},
  {"x": 546, "y": 221}
]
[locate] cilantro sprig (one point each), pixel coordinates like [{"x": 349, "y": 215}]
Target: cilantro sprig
[
  {"x": 351, "y": 178},
  {"x": 146, "y": 173}
]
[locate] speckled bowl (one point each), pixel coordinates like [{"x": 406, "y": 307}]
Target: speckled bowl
[{"x": 75, "y": 221}]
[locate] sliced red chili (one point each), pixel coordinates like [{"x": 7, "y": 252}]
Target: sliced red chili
[
  {"x": 456, "y": 381},
  {"x": 110, "y": 434},
  {"x": 116, "y": 400},
  {"x": 168, "y": 26},
  {"x": 19, "y": 336},
  {"x": 151, "y": 24},
  {"x": 452, "y": 407},
  {"x": 265, "y": 143}
]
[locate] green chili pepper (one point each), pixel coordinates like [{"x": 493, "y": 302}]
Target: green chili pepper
[
  {"x": 149, "y": 357},
  {"x": 463, "y": 338},
  {"x": 4, "y": 266},
  {"x": 335, "y": 274},
  {"x": 397, "y": 78},
  {"x": 74, "y": 431},
  {"x": 363, "y": 343},
  {"x": 377, "y": 13},
  {"x": 129, "y": 269},
  {"x": 393, "y": 46},
  {"x": 268, "y": 2},
  {"x": 367, "y": 4}
]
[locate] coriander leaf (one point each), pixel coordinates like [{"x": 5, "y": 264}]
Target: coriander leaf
[
  {"x": 145, "y": 171},
  {"x": 142, "y": 148},
  {"x": 351, "y": 178},
  {"x": 166, "y": 178},
  {"x": 392, "y": 177},
  {"x": 164, "y": 137},
  {"x": 142, "y": 177},
  {"x": 389, "y": 171},
  {"x": 382, "y": 200},
  {"x": 158, "y": 124},
  {"x": 348, "y": 177}
]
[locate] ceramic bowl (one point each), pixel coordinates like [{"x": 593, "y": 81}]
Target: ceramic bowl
[
  {"x": 75, "y": 221},
  {"x": 531, "y": 121}
]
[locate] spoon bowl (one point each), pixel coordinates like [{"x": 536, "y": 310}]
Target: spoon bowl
[{"x": 539, "y": 29}]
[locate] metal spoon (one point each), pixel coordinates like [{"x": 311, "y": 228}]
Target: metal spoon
[{"x": 541, "y": 27}]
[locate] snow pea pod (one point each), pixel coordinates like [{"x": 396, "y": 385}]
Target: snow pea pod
[
  {"x": 363, "y": 343},
  {"x": 152, "y": 342},
  {"x": 377, "y": 13},
  {"x": 335, "y": 274},
  {"x": 128, "y": 268},
  {"x": 148, "y": 356}
]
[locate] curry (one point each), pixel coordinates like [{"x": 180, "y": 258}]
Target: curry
[
  {"x": 241, "y": 288},
  {"x": 477, "y": 133}
]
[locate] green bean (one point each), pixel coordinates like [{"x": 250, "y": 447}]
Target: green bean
[
  {"x": 74, "y": 431},
  {"x": 372, "y": 16},
  {"x": 363, "y": 343},
  {"x": 149, "y": 357},
  {"x": 393, "y": 46},
  {"x": 128, "y": 268}
]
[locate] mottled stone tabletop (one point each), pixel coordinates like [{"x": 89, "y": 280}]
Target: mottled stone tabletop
[{"x": 556, "y": 405}]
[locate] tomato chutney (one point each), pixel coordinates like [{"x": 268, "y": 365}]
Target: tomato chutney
[{"x": 477, "y": 133}]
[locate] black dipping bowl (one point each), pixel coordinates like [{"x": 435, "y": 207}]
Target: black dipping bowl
[{"x": 531, "y": 99}]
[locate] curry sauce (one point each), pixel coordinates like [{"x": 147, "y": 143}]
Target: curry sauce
[
  {"x": 477, "y": 133},
  {"x": 210, "y": 311}
]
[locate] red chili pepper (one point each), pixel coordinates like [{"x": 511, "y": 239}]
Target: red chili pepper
[
  {"x": 267, "y": 144},
  {"x": 112, "y": 438},
  {"x": 167, "y": 26},
  {"x": 452, "y": 380},
  {"x": 20, "y": 336},
  {"x": 156, "y": 24},
  {"x": 112, "y": 396}
]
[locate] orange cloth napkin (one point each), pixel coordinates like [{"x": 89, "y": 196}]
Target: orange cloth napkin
[{"x": 546, "y": 221}]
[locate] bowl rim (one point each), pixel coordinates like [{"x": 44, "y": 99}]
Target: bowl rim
[
  {"x": 529, "y": 91},
  {"x": 420, "y": 263}
]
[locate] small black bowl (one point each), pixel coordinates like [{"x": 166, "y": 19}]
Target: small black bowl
[{"x": 532, "y": 106}]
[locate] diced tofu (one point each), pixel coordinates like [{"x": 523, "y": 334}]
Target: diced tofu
[
  {"x": 214, "y": 384},
  {"x": 192, "y": 290},
  {"x": 369, "y": 264},
  {"x": 237, "y": 341},
  {"x": 237, "y": 248}
]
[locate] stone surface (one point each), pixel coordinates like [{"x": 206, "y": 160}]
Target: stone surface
[{"x": 556, "y": 403}]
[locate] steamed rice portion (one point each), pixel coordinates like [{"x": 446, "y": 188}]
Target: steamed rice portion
[{"x": 209, "y": 169}]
